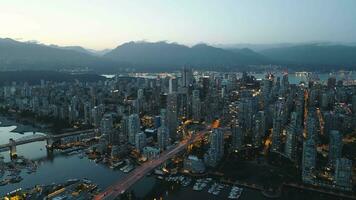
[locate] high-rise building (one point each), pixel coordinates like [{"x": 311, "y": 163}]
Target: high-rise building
[
  {"x": 277, "y": 125},
  {"x": 331, "y": 82},
  {"x": 247, "y": 107},
  {"x": 96, "y": 114},
  {"x": 343, "y": 174},
  {"x": 87, "y": 113},
  {"x": 216, "y": 150},
  {"x": 335, "y": 146},
  {"x": 258, "y": 129},
  {"x": 134, "y": 127},
  {"x": 354, "y": 104},
  {"x": 285, "y": 84},
  {"x": 266, "y": 91},
  {"x": 308, "y": 160},
  {"x": 187, "y": 77},
  {"x": 194, "y": 165},
  {"x": 196, "y": 106},
  {"x": 162, "y": 137},
  {"x": 237, "y": 136},
  {"x": 172, "y": 85},
  {"x": 291, "y": 142},
  {"x": 140, "y": 93},
  {"x": 217, "y": 141},
  {"x": 311, "y": 126},
  {"x": 172, "y": 116},
  {"x": 106, "y": 124},
  {"x": 163, "y": 116},
  {"x": 140, "y": 141},
  {"x": 124, "y": 129}
]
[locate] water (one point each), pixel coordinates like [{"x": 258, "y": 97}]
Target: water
[
  {"x": 109, "y": 76},
  {"x": 294, "y": 78},
  {"x": 58, "y": 168}
]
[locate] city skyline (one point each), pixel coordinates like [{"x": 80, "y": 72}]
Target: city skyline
[
  {"x": 68, "y": 23},
  {"x": 203, "y": 99}
]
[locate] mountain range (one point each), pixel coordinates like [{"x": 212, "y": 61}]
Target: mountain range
[
  {"x": 164, "y": 56},
  {"x": 171, "y": 55}
]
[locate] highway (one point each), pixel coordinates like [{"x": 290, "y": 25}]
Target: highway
[{"x": 125, "y": 183}]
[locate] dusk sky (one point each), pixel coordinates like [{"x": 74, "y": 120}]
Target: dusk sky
[{"x": 100, "y": 24}]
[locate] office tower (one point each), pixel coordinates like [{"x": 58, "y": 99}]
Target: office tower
[
  {"x": 335, "y": 146},
  {"x": 285, "y": 84},
  {"x": 216, "y": 150},
  {"x": 157, "y": 121},
  {"x": 258, "y": 129},
  {"x": 140, "y": 141},
  {"x": 196, "y": 106},
  {"x": 237, "y": 136},
  {"x": 172, "y": 116},
  {"x": 331, "y": 82},
  {"x": 140, "y": 93},
  {"x": 205, "y": 84},
  {"x": 138, "y": 103},
  {"x": 247, "y": 107},
  {"x": 311, "y": 125},
  {"x": 291, "y": 142},
  {"x": 172, "y": 85},
  {"x": 217, "y": 141},
  {"x": 87, "y": 113},
  {"x": 187, "y": 77},
  {"x": 162, "y": 137},
  {"x": 96, "y": 116},
  {"x": 277, "y": 125},
  {"x": 134, "y": 127},
  {"x": 276, "y": 88},
  {"x": 163, "y": 117},
  {"x": 124, "y": 129},
  {"x": 330, "y": 122},
  {"x": 308, "y": 160},
  {"x": 354, "y": 104},
  {"x": 266, "y": 91},
  {"x": 296, "y": 121},
  {"x": 324, "y": 101},
  {"x": 106, "y": 124},
  {"x": 194, "y": 165},
  {"x": 183, "y": 103},
  {"x": 276, "y": 133},
  {"x": 343, "y": 174}
]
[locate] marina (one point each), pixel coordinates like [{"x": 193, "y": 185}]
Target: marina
[{"x": 202, "y": 185}]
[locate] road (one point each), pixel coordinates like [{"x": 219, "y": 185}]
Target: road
[
  {"x": 45, "y": 137},
  {"x": 124, "y": 184}
]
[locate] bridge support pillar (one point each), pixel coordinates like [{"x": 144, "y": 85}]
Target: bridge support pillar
[
  {"x": 13, "y": 153},
  {"x": 49, "y": 144}
]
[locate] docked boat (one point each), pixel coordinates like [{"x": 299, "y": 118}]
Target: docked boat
[
  {"x": 235, "y": 193},
  {"x": 16, "y": 179},
  {"x": 4, "y": 182},
  {"x": 128, "y": 169},
  {"x": 116, "y": 164},
  {"x": 98, "y": 160}
]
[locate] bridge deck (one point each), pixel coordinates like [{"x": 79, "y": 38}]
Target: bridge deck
[
  {"x": 124, "y": 184},
  {"x": 45, "y": 137}
]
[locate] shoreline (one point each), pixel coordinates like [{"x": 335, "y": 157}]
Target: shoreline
[{"x": 6, "y": 121}]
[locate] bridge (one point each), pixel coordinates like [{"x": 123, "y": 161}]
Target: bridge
[
  {"x": 125, "y": 183},
  {"x": 36, "y": 138}
]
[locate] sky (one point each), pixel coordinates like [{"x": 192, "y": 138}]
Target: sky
[{"x": 100, "y": 24}]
